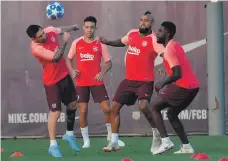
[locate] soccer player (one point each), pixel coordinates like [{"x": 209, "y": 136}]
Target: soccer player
[
  {"x": 88, "y": 75},
  {"x": 58, "y": 84},
  {"x": 139, "y": 80},
  {"x": 176, "y": 92}
]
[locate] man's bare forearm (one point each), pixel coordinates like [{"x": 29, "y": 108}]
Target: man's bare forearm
[
  {"x": 107, "y": 67},
  {"x": 68, "y": 28},
  {"x": 116, "y": 43},
  {"x": 69, "y": 64},
  {"x": 59, "y": 53}
]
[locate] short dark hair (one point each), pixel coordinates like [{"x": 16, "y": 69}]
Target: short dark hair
[
  {"x": 147, "y": 12},
  {"x": 32, "y": 30},
  {"x": 170, "y": 27},
  {"x": 91, "y": 19}
]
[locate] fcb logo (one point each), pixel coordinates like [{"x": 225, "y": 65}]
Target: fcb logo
[
  {"x": 144, "y": 43},
  {"x": 77, "y": 97},
  {"x": 52, "y": 39},
  {"x": 136, "y": 115},
  {"x": 53, "y": 105},
  {"x": 95, "y": 48}
]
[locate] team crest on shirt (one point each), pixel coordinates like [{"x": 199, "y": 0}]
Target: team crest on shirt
[
  {"x": 95, "y": 48},
  {"x": 136, "y": 115},
  {"x": 53, "y": 105},
  {"x": 144, "y": 43},
  {"x": 52, "y": 39}
]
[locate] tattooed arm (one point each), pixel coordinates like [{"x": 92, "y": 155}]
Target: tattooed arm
[
  {"x": 115, "y": 43},
  {"x": 59, "y": 53},
  {"x": 69, "y": 28}
]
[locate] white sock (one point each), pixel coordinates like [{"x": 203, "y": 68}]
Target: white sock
[
  {"x": 109, "y": 129},
  {"x": 186, "y": 145},
  {"x": 85, "y": 134},
  {"x": 115, "y": 138},
  {"x": 70, "y": 133},
  {"x": 165, "y": 140},
  {"x": 53, "y": 143},
  {"x": 156, "y": 133}
]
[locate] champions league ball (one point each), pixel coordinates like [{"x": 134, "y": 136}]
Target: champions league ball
[{"x": 54, "y": 10}]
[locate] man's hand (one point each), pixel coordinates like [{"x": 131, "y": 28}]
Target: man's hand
[
  {"x": 74, "y": 73},
  {"x": 103, "y": 40},
  {"x": 76, "y": 27},
  {"x": 99, "y": 76},
  {"x": 158, "y": 86},
  {"x": 66, "y": 36}
]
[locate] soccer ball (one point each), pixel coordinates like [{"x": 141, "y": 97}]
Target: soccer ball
[{"x": 55, "y": 10}]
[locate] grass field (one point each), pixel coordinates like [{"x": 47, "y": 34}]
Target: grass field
[{"x": 137, "y": 148}]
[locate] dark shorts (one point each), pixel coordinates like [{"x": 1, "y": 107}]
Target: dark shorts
[
  {"x": 129, "y": 91},
  {"x": 63, "y": 91},
  {"x": 99, "y": 93},
  {"x": 177, "y": 96}
]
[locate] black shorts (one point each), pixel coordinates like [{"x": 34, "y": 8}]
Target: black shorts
[
  {"x": 63, "y": 91},
  {"x": 99, "y": 93},
  {"x": 129, "y": 91},
  {"x": 177, "y": 96}
]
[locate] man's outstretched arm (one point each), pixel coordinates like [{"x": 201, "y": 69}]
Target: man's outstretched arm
[
  {"x": 69, "y": 28},
  {"x": 115, "y": 43}
]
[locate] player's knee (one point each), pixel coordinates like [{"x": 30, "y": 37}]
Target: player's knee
[
  {"x": 55, "y": 114},
  {"x": 156, "y": 107},
  {"x": 115, "y": 108},
  {"x": 107, "y": 111},
  {"x": 105, "y": 107},
  {"x": 72, "y": 106},
  {"x": 143, "y": 106}
]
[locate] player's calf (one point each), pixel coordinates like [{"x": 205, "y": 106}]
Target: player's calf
[
  {"x": 172, "y": 115},
  {"x": 146, "y": 110},
  {"x": 69, "y": 136},
  {"x": 84, "y": 124},
  {"x": 105, "y": 106},
  {"x": 52, "y": 122}
]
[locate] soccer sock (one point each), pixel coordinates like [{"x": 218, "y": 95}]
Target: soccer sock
[
  {"x": 155, "y": 132},
  {"x": 85, "y": 134},
  {"x": 115, "y": 138},
  {"x": 70, "y": 133},
  {"x": 187, "y": 145},
  {"x": 165, "y": 140},
  {"x": 109, "y": 129},
  {"x": 70, "y": 119},
  {"x": 53, "y": 143}
]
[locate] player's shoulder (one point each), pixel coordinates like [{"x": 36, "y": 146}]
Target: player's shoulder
[
  {"x": 77, "y": 40},
  {"x": 97, "y": 42},
  {"x": 178, "y": 47},
  {"x": 174, "y": 44},
  {"x": 134, "y": 31},
  {"x": 48, "y": 29},
  {"x": 174, "y": 47}
]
